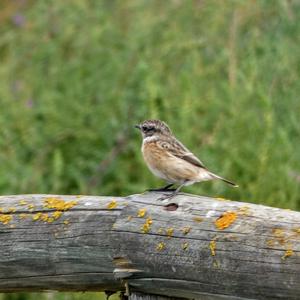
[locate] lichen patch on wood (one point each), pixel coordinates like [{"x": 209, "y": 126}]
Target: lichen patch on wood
[
  {"x": 212, "y": 247},
  {"x": 5, "y": 219},
  {"x": 59, "y": 204},
  {"x": 141, "y": 213},
  {"x": 113, "y": 204},
  {"x": 225, "y": 220},
  {"x": 161, "y": 246}
]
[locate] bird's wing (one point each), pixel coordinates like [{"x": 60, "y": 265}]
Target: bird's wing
[{"x": 179, "y": 150}]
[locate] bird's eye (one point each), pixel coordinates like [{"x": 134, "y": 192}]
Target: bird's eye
[{"x": 145, "y": 128}]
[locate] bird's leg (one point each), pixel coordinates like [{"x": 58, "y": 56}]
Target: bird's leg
[
  {"x": 165, "y": 188},
  {"x": 170, "y": 196}
]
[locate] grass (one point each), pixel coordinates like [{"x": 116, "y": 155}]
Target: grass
[{"x": 77, "y": 75}]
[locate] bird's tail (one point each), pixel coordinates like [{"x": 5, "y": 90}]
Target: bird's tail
[{"x": 223, "y": 179}]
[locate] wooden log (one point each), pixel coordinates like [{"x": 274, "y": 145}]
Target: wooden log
[{"x": 206, "y": 248}]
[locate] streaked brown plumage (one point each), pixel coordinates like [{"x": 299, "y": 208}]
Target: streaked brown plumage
[{"x": 169, "y": 159}]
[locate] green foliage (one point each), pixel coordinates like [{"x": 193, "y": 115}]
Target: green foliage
[{"x": 75, "y": 76}]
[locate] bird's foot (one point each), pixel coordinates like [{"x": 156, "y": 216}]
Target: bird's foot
[{"x": 163, "y": 189}]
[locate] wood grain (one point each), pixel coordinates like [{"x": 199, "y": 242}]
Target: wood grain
[{"x": 208, "y": 248}]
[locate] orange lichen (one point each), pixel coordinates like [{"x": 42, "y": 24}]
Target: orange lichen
[
  {"x": 212, "y": 247},
  {"x": 170, "y": 232},
  {"x": 287, "y": 253},
  {"x": 59, "y": 204},
  {"x": 198, "y": 219},
  {"x": 161, "y": 246},
  {"x": 184, "y": 246},
  {"x": 186, "y": 229},
  {"x": 225, "y": 220},
  {"x": 113, "y": 204},
  {"x": 147, "y": 225},
  {"x": 5, "y": 219},
  {"x": 141, "y": 212},
  {"x": 22, "y": 202}
]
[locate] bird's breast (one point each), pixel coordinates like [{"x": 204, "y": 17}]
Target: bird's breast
[{"x": 167, "y": 166}]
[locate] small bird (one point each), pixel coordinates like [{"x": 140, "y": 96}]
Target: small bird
[{"x": 169, "y": 159}]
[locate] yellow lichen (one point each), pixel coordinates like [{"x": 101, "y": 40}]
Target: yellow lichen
[
  {"x": 287, "y": 253},
  {"x": 56, "y": 215},
  {"x": 5, "y": 219},
  {"x": 222, "y": 199},
  {"x": 270, "y": 243},
  {"x": 212, "y": 247},
  {"x": 160, "y": 231},
  {"x": 113, "y": 204},
  {"x": 216, "y": 264},
  {"x": 279, "y": 235},
  {"x": 225, "y": 220},
  {"x": 141, "y": 212},
  {"x": 44, "y": 217},
  {"x": 24, "y": 216},
  {"x": 66, "y": 222},
  {"x": 278, "y": 232},
  {"x": 22, "y": 202},
  {"x": 198, "y": 219},
  {"x": 244, "y": 210},
  {"x": 129, "y": 218},
  {"x": 36, "y": 216},
  {"x": 31, "y": 206},
  {"x": 184, "y": 246},
  {"x": 161, "y": 246},
  {"x": 186, "y": 229},
  {"x": 12, "y": 209},
  {"x": 59, "y": 204},
  {"x": 297, "y": 230},
  {"x": 170, "y": 232},
  {"x": 146, "y": 226}
]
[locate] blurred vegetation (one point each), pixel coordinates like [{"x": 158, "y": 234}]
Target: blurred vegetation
[{"x": 76, "y": 75}]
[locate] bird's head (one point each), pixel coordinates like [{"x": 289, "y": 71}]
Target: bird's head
[{"x": 150, "y": 128}]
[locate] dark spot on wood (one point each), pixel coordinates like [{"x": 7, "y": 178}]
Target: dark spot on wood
[{"x": 171, "y": 206}]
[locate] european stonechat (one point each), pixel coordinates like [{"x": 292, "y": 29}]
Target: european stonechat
[{"x": 169, "y": 159}]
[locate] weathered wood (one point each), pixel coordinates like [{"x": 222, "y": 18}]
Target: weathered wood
[
  {"x": 103, "y": 243},
  {"x": 141, "y": 296}
]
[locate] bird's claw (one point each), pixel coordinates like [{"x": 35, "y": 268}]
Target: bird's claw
[{"x": 161, "y": 190}]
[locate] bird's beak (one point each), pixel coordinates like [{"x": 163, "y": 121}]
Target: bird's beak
[{"x": 137, "y": 126}]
